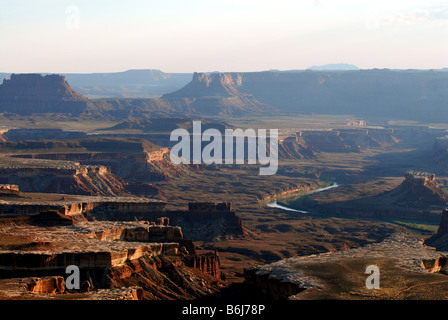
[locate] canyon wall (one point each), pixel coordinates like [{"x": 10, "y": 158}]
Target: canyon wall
[
  {"x": 83, "y": 180},
  {"x": 146, "y": 166},
  {"x": 200, "y": 222}
]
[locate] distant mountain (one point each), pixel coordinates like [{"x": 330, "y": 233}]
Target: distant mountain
[
  {"x": 335, "y": 66},
  {"x": 128, "y": 84},
  {"x": 420, "y": 95},
  {"x": 380, "y": 93},
  {"x": 144, "y": 83},
  {"x": 26, "y": 94}
]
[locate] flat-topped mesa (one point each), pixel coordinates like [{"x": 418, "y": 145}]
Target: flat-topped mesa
[
  {"x": 35, "y": 86},
  {"x": 235, "y": 79},
  {"x": 419, "y": 189},
  {"x": 419, "y": 177},
  {"x": 26, "y": 94}
]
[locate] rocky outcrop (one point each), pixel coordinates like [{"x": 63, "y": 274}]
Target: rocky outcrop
[
  {"x": 165, "y": 278},
  {"x": 207, "y": 263},
  {"x": 113, "y": 206},
  {"x": 116, "y": 260},
  {"x": 275, "y": 289},
  {"x": 198, "y": 225},
  {"x": 330, "y": 275},
  {"x": 47, "y": 285},
  {"x": 294, "y": 148},
  {"x": 309, "y": 143},
  {"x": 74, "y": 179},
  {"x": 144, "y": 233},
  {"x": 419, "y": 188},
  {"x": 11, "y": 190},
  {"x": 202, "y": 221},
  {"x": 135, "y": 160},
  {"x": 93, "y": 264},
  {"x": 346, "y": 140}
]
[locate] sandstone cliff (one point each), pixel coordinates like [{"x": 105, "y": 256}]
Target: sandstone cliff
[
  {"x": 133, "y": 159},
  {"x": 309, "y": 143},
  {"x": 150, "y": 257},
  {"x": 61, "y": 177},
  {"x": 218, "y": 93}
]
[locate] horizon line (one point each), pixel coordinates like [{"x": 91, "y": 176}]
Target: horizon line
[{"x": 216, "y": 71}]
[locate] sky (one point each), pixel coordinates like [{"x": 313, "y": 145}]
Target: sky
[{"x": 86, "y": 36}]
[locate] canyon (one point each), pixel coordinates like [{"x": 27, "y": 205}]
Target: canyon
[
  {"x": 89, "y": 181},
  {"x": 40, "y": 240}
]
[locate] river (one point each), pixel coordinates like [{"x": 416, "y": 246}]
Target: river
[{"x": 276, "y": 205}]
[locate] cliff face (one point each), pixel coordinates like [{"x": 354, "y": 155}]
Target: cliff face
[
  {"x": 218, "y": 93},
  {"x": 210, "y": 85},
  {"x": 26, "y": 94},
  {"x": 85, "y": 180},
  {"x": 166, "y": 278},
  {"x": 308, "y": 143},
  {"x": 197, "y": 225},
  {"x": 135, "y": 160},
  {"x": 150, "y": 256}
]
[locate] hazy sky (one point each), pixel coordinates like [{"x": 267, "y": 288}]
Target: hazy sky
[{"x": 220, "y": 35}]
